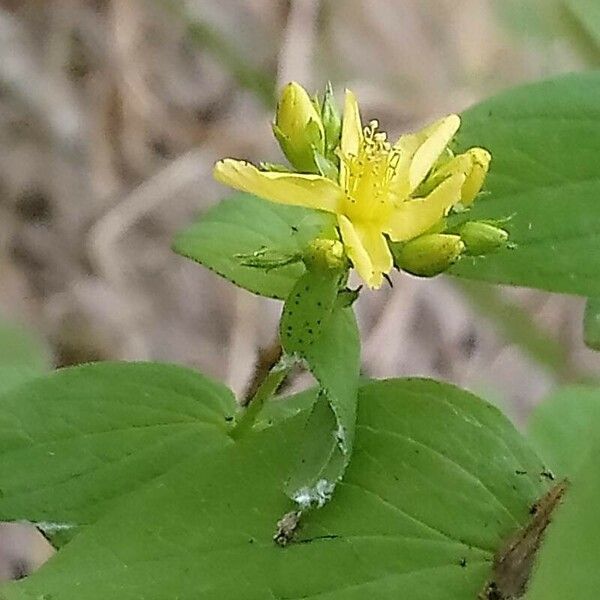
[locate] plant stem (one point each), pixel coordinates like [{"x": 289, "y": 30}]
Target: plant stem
[
  {"x": 269, "y": 385},
  {"x": 517, "y": 326}
]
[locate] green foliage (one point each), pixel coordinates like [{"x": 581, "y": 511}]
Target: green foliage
[
  {"x": 545, "y": 140},
  {"x": 156, "y": 489},
  {"x": 284, "y": 407},
  {"x": 565, "y": 428},
  {"x": 76, "y": 440},
  {"x": 308, "y": 309},
  {"x": 329, "y": 433},
  {"x": 567, "y": 565},
  {"x": 439, "y": 479},
  {"x": 243, "y": 225}
]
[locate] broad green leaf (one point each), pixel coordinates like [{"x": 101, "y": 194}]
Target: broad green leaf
[
  {"x": 75, "y": 440},
  {"x": 545, "y": 140},
  {"x": 564, "y": 427},
  {"x": 334, "y": 360},
  {"x": 438, "y": 481},
  {"x": 591, "y": 323},
  {"x": 22, "y": 356},
  {"x": 568, "y": 564},
  {"x": 244, "y": 224}
]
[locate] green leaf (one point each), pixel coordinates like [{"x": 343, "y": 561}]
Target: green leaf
[
  {"x": 281, "y": 408},
  {"x": 545, "y": 142},
  {"x": 74, "y": 441},
  {"x": 307, "y": 310},
  {"x": 244, "y": 224},
  {"x": 334, "y": 360},
  {"x": 439, "y": 480},
  {"x": 591, "y": 323},
  {"x": 22, "y": 355},
  {"x": 567, "y": 565},
  {"x": 565, "y": 426},
  {"x": 565, "y": 429}
]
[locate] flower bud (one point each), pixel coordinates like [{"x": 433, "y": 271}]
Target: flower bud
[
  {"x": 325, "y": 254},
  {"x": 429, "y": 255},
  {"x": 481, "y": 238},
  {"x": 298, "y": 128}
]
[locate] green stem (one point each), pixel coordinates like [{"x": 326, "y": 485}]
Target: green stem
[
  {"x": 517, "y": 326},
  {"x": 269, "y": 385}
]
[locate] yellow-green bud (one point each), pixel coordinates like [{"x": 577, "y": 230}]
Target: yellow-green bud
[
  {"x": 481, "y": 238},
  {"x": 430, "y": 254},
  {"x": 325, "y": 254},
  {"x": 298, "y": 128}
]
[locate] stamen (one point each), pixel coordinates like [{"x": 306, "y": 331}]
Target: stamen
[{"x": 368, "y": 175}]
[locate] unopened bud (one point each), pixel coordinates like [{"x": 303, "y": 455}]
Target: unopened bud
[
  {"x": 298, "y": 128},
  {"x": 481, "y": 238},
  {"x": 430, "y": 254},
  {"x": 325, "y": 254}
]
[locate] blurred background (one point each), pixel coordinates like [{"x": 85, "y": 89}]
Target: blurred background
[{"x": 112, "y": 113}]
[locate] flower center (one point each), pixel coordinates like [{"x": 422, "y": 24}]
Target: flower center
[{"x": 369, "y": 177}]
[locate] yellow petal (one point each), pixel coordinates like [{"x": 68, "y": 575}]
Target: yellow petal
[
  {"x": 462, "y": 163},
  {"x": 439, "y": 136},
  {"x": 367, "y": 249},
  {"x": 474, "y": 182},
  {"x": 352, "y": 134},
  {"x": 414, "y": 217},
  {"x": 310, "y": 191},
  {"x": 377, "y": 248}
]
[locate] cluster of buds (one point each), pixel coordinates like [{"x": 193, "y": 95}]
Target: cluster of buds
[
  {"x": 433, "y": 253},
  {"x": 401, "y": 204}
]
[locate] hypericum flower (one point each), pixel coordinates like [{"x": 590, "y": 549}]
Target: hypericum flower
[{"x": 380, "y": 191}]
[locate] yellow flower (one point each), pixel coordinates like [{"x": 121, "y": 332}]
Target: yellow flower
[{"x": 376, "y": 195}]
